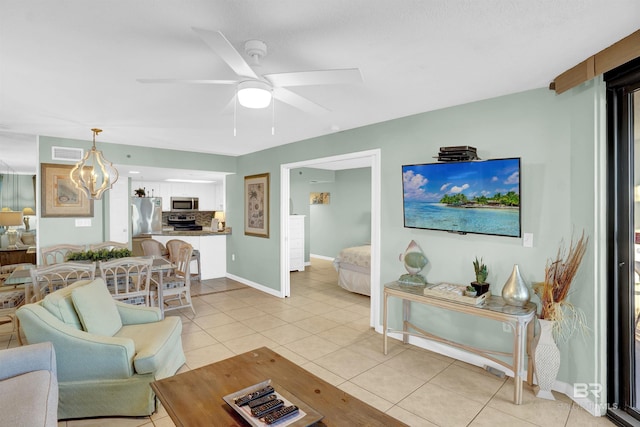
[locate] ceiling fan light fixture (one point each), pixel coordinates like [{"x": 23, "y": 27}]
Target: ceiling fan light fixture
[{"x": 254, "y": 94}]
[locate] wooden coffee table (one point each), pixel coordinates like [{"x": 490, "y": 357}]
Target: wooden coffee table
[{"x": 194, "y": 398}]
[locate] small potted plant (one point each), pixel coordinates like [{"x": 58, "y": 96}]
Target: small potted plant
[
  {"x": 480, "y": 284},
  {"x": 470, "y": 291},
  {"x": 140, "y": 192}
]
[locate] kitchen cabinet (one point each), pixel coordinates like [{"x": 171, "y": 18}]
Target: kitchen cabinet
[{"x": 211, "y": 196}]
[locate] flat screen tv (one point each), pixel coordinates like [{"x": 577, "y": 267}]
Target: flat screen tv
[{"x": 480, "y": 196}]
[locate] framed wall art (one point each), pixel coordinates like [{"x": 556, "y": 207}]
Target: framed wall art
[
  {"x": 319, "y": 198},
  {"x": 60, "y": 197},
  {"x": 256, "y": 205}
]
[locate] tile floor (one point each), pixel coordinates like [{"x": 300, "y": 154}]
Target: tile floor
[{"x": 325, "y": 329}]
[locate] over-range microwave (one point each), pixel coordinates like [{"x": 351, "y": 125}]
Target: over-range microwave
[{"x": 184, "y": 203}]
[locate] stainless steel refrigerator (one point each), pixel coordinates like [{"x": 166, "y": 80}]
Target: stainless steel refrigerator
[{"x": 146, "y": 215}]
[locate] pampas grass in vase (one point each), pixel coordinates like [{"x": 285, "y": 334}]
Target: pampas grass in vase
[{"x": 553, "y": 292}]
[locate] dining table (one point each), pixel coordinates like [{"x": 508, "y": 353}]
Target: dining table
[{"x": 22, "y": 277}]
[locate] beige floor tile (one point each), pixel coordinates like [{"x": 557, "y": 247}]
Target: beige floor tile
[
  {"x": 313, "y": 347},
  {"x": 472, "y": 384},
  {"x": 542, "y": 412},
  {"x": 286, "y": 334},
  {"x": 388, "y": 383},
  {"x": 366, "y": 396},
  {"x": 188, "y": 327},
  {"x": 408, "y": 418},
  {"x": 293, "y": 314},
  {"x": 161, "y": 412},
  {"x": 346, "y": 363},
  {"x": 578, "y": 417},
  {"x": 343, "y": 335},
  {"x": 213, "y": 320},
  {"x": 229, "y": 331},
  {"x": 163, "y": 422},
  {"x": 206, "y": 355},
  {"x": 441, "y": 406},
  {"x": 197, "y": 340},
  {"x": 342, "y": 315},
  {"x": 245, "y": 313},
  {"x": 228, "y": 304},
  {"x": 490, "y": 417},
  {"x": 417, "y": 363},
  {"x": 372, "y": 348},
  {"x": 249, "y": 342},
  {"x": 316, "y": 324},
  {"x": 266, "y": 322}
]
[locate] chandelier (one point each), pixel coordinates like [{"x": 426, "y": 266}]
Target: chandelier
[{"x": 94, "y": 174}]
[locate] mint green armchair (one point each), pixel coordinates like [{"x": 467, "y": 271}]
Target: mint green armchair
[{"x": 105, "y": 361}]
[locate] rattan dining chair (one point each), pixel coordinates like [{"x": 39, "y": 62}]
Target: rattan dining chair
[
  {"x": 176, "y": 287},
  {"x": 173, "y": 246},
  {"x": 11, "y": 298},
  {"x": 46, "y": 279},
  {"x": 152, "y": 247},
  {"x": 128, "y": 279},
  {"x": 59, "y": 253}
]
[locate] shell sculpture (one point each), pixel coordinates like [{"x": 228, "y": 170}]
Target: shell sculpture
[{"x": 414, "y": 261}]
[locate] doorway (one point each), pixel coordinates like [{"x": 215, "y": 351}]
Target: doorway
[
  {"x": 623, "y": 164},
  {"x": 373, "y": 159}
]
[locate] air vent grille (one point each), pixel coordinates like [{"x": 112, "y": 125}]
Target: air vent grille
[{"x": 67, "y": 153}]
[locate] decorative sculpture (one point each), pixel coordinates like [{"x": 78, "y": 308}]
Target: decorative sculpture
[{"x": 414, "y": 261}]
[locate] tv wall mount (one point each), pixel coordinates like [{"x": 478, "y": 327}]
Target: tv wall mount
[{"x": 458, "y": 153}]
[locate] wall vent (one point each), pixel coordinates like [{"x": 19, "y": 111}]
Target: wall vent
[{"x": 67, "y": 153}]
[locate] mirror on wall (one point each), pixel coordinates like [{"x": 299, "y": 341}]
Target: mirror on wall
[{"x": 18, "y": 166}]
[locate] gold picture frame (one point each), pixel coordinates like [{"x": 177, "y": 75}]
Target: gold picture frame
[
  {"x": 256, "y": 205},
  {"x": 59, "y": 195}
]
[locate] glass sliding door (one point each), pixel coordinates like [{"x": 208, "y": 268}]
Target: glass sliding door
[{"x": 623, "y": 163}]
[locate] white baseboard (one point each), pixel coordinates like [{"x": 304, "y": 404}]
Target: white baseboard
[
  {"x": 254, "y": 285},
  {"x": 593, "y": 408},
  {"x": 326, "y": 258}
]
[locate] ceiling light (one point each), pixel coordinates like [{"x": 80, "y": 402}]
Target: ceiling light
[
  {"x": 254, "y": 94},
  {"x": 134, "y": 172},
  {"x": 94, "y": 174},
  {"x": 192, "y": 181}
]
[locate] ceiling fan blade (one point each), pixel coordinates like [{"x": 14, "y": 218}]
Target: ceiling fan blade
[
  {"x": 298, "y": 101},
  {"x": 319, "y": 77},
  {"x": 206, "y": 82},
  {"x": 225, "y": 50}
]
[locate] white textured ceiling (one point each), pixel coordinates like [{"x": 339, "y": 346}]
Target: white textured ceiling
[{"x": 68, "y": 66}]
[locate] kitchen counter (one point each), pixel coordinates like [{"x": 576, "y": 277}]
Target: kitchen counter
[
  {"x": 168, "y": 231},
  {"x": 213, "y": 250}
]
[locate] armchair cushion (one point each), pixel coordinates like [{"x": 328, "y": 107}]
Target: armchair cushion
[
  {"x": 60, "y": 304},
  {"x": 97, "y": 309},
  {"x": 29, "y": 386},
  {"x": 158, "y": 345}
]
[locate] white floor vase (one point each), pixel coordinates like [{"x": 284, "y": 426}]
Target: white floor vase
[{"x": 546, "y": 359}]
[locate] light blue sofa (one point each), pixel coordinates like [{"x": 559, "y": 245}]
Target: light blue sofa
[
  {"x": 107, "y": 352},
  {"x": 29, "y": 386}
]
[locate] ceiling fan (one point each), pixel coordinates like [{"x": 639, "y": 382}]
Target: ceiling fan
[{"x": 257, "y": 91}]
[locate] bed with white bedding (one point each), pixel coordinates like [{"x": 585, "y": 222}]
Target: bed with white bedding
[{"x": 354, "y": 269}]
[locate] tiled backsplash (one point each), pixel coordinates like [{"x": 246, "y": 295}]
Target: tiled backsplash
[{"x": 203, "y": 218}]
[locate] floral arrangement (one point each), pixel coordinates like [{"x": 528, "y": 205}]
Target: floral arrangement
[
  {"x": 99, "y": 255},
  {"x": 553, "y": 292}
]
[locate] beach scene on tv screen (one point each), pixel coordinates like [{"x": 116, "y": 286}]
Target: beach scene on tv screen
[{"x": 470, "y": 197}]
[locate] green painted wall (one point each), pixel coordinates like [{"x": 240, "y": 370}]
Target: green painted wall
[
  {"x": 345, "y": 221},
  {"x": 557, "y": 138}
]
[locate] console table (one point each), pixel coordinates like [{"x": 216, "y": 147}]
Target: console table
[
  {"x": 17, "y": 256},
  {"x": 519, "y": 318}
]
